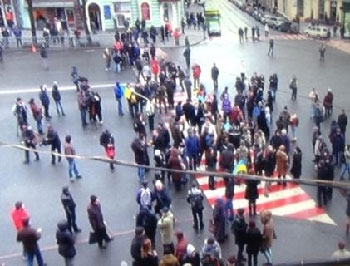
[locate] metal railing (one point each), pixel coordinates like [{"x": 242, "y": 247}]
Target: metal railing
[{"x": 318, "y": 262}]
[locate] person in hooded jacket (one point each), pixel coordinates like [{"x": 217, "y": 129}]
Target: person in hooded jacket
[{"x": 65, "y": 241}]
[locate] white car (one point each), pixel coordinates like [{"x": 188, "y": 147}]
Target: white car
[{"x": 317, "y": 32}]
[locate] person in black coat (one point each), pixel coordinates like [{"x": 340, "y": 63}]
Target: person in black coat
[
  {"x": 253, "y": 241},
  {"x": 148, "y": 220},
  {"x": 190, "y": 112},
  {"x": 322, "y": 174},
  {"x": 297, "y": 160},
  {"x": 252, "y": 194},
  {"x": 65, "y": 241},
  {"x": 239, "y": 228}
]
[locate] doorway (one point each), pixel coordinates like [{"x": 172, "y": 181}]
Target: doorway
[{"x": 95, "y": 17}]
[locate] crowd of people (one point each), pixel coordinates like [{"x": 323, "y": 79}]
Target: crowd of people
[{"x": 221, "y": 131}]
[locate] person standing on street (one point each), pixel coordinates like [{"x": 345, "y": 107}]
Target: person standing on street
[
  {"x": 69, "y": 151},
  {"x": 82, "y": 104},
  {"x": 267, "y": 236},
  {"x": 271, "y": 44},
  {"x": 19, "y": 109},
  {"x": 136, "y": 246},
  {"x": 293, "y": 85},
  {"x": 37, "y": 115},
  {"x": 118, "y": 92},
  {"x": 97, "y": 223},
  {"x": 195, "y": 198},
  {"x": 29, "y": 238},
  {"x": 215, "y": 76},
  {"x": 69, "y": 205},
  {"x": 267, "y": 30},
  {"x": 54, "y": 140},
  {"x": 45, "y": 101},
  {"x": 139, "y": 148},
  {"x": 65, "y": 241},
  {"x": 342, "y": 122},
  {"x": 239, "y": 228},
  {"x": 253, "y": 241},
  {"x": 43, "y": 54},
  {"x": 18, "y": 214},
  {"x": 56, "y": 96},
  {"x": 322, "y": 51},
  {"x": 187, "y": 55},
  {"x": 107, "y": 141},
  {"x": 30, "y": 140},
  {"x": 166, "y": 229}
]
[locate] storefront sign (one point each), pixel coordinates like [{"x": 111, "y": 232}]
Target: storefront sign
[
  {"x": 145, "y": 11},
  {"x": 107, "y": 12}
]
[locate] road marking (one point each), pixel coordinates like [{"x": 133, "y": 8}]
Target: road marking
[{"x": 61, "y": 88}]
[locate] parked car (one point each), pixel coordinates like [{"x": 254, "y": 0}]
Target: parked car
[
  {"x": 288, "y": 26},
  {"x": 249, "y": 9},
  {"x": 278, "y": 22},
  {"x": 265, "y": 18},
  {"x": 317, "y": 32},
  {"x": 256, "y": 15}
]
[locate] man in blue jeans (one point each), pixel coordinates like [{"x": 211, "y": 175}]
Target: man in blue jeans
[
  {"x": 139, "y": 147},
  {"x": 118, "y": 92},
  {"x": 69, "y": 150},
  {"x": 29, "y": 238}
]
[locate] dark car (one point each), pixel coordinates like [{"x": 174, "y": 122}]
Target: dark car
[{"x": 288, "y": 26}]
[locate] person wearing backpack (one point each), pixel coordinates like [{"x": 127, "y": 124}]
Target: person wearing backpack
[
  {"x": 195, "y": 198},
  {"x": 144, "y": 196}
]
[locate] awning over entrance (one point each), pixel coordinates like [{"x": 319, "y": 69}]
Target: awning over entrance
[{"x": 45, "y": 3}]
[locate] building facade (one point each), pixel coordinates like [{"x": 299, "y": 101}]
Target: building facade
[
  {"x": 8, "y": 13},
  {"x": 65, "y": 13},
  {"x": 325, "y": 10},
  {"x": 101, "y": 14},
  {"x": 328, "y": 11}
]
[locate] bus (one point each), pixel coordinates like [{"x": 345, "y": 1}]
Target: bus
[{"x": 212, "y": 21}]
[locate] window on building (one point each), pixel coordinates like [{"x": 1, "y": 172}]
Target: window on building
[
  {"x": 300, "y": 8},
  {"x": 122, "y": 12},
  {"x": 321, "y": 9},
  {"x": 166, "y": 12}
]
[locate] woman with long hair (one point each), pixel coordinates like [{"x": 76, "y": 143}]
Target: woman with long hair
[{"x": 149, "y": 256}]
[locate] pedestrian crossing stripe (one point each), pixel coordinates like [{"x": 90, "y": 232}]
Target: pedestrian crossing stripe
[{"x": 290, "y": 201}]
